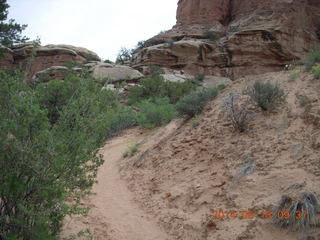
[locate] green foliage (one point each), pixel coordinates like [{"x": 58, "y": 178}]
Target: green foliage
[
  {"x": 303, "y": 101},
  {"x": 156, "y": 113},
  {"x": 293, "y": 76},
  {"x": 195, "y": 122},
  {"x": 157, "y": 87},
  {"x": 316, "y": 71},
  {"x": 155, "y": 70},
  {"x": 71, "y": 64},
  {"x": 193, "y": 103},
  {"x": 200, "y": 77},
  {"x": 54, "y": 95},
  {"x": 10, "y": 31},
  {"x": 108, "y": 61},
  {"x": 313, "y": 58},
  {"x": 120, "y": 119},
  {"x": 211, "y": 36},
  {"x": 266, "y": 95},
  {"x": 132, "y": 149},
  {"x": 124, "y": 56},
  {"x": 49, "y": 138}
]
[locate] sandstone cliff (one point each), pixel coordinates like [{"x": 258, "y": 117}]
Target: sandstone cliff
[{"x": 254, "y": 37}]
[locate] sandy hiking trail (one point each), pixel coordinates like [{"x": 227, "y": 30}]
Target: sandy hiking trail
[{"x": 114, "y": 214}]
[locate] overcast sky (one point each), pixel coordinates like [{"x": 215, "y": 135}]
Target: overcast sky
[{"x": 103, "y": 26}]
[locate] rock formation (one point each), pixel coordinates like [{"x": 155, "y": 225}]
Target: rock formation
[
  {"x": 45, "y": 63},
  {"x": 254, "y": 37},
  {"x": 34, "y": 58}
]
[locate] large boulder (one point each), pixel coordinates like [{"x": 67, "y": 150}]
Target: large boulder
[
  {"x": 51, "y": 73},
  {"x": 255, "y": 37},
  {"x": 113, "y": 73},
  {"x": 83, "y": 52}
]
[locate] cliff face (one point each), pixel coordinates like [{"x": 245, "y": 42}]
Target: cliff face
[
  {"x": 202, "y": 11},
  {"x": 34, "y": 58},
  {"x": 255, "y": 36}
]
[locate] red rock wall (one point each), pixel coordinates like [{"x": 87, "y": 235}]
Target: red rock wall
[
  {"x": 256, "y": 36},
  {"x": 202, "y": 11},
  {"x": 40, "y": 63}
]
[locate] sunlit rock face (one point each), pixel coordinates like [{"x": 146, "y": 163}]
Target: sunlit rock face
[{"x": 255, "y": 36}]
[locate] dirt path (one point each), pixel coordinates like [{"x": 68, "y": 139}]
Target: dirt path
[{"x": 114, "y": 213}]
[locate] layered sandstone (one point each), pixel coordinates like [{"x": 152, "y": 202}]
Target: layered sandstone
[
  {"x": 255, "y": 36},
  {"x": 38, "y": 58}
]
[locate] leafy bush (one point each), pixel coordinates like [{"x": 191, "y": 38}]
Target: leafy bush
[
  {"x": 294, "y": 76},
  {"x": 304, "y": 101},
  {"x": 155, "y": 70},
  {"x": 108, "y": 61},
  {"x": 120, "y": 119},
  {"x": 200, "y": 77},
  {"x": 193, "y": 103},
  {"x": 132, "y": 149},
  {"x": 266, "y": 95},
  {"x": 195, "y": 122},
  {"x": 238, "y": 114},
  {"x": 316, "y": 71},
  {"x": 313, "y": 58},
  {"x": 55, "y": 94},
  {"x": 211, "y": 35},
  {"x": 156, "y": 87},
  {"x": 124, "y": 56},
  {"x": 48, "y": 153},
  {"x": 155, "y": 113},
  {"x": 10, "y": 31}
]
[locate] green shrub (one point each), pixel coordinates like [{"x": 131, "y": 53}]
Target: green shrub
[
  {"x": 55, "y": 94},
  {"x": 156, "y": 87},
  {"x": 200, "y": 77},
  {"x": 313, "y": 58},
  {"x": 119, "y": 120},
  {"x": 304, "y": 101},
  {"x": 132, "y": 149},
  {"x": 71, "y": 64},
  {"x": 156, "y": 113},
  {"x": 316, "y": 71},
  {"x": 155, "y": 70},
  {"x": 211, "y": 35},
  {"x": 266, "y": 95},
  {"x": 293, "y": 76},
  {"x": 193, "y": 103},
  {"x": 108, "y": 61},
  {"x": 195, "y": 122},
  {"x": 50, "y": 135}
]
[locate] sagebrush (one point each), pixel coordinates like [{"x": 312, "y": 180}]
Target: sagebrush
[
  {"x": 237, "y": 113},
  {"x": 266, "y": 95},
  {"x": 193, "y": 103},
  {"x": 155, "y": 113}
]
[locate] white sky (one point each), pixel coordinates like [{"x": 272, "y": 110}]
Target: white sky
[{"x": 103, "y": 26}]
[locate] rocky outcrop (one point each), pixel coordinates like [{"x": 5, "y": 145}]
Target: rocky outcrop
[
  {"x": 113, "y": 73},
  {"x": 38, "y": 58},
  {"x": 54, "y": 73},
  {"x": 254, "y": 36},
  {"x": 6, "y": 57},
  {"x": 83, "y": 52}
]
